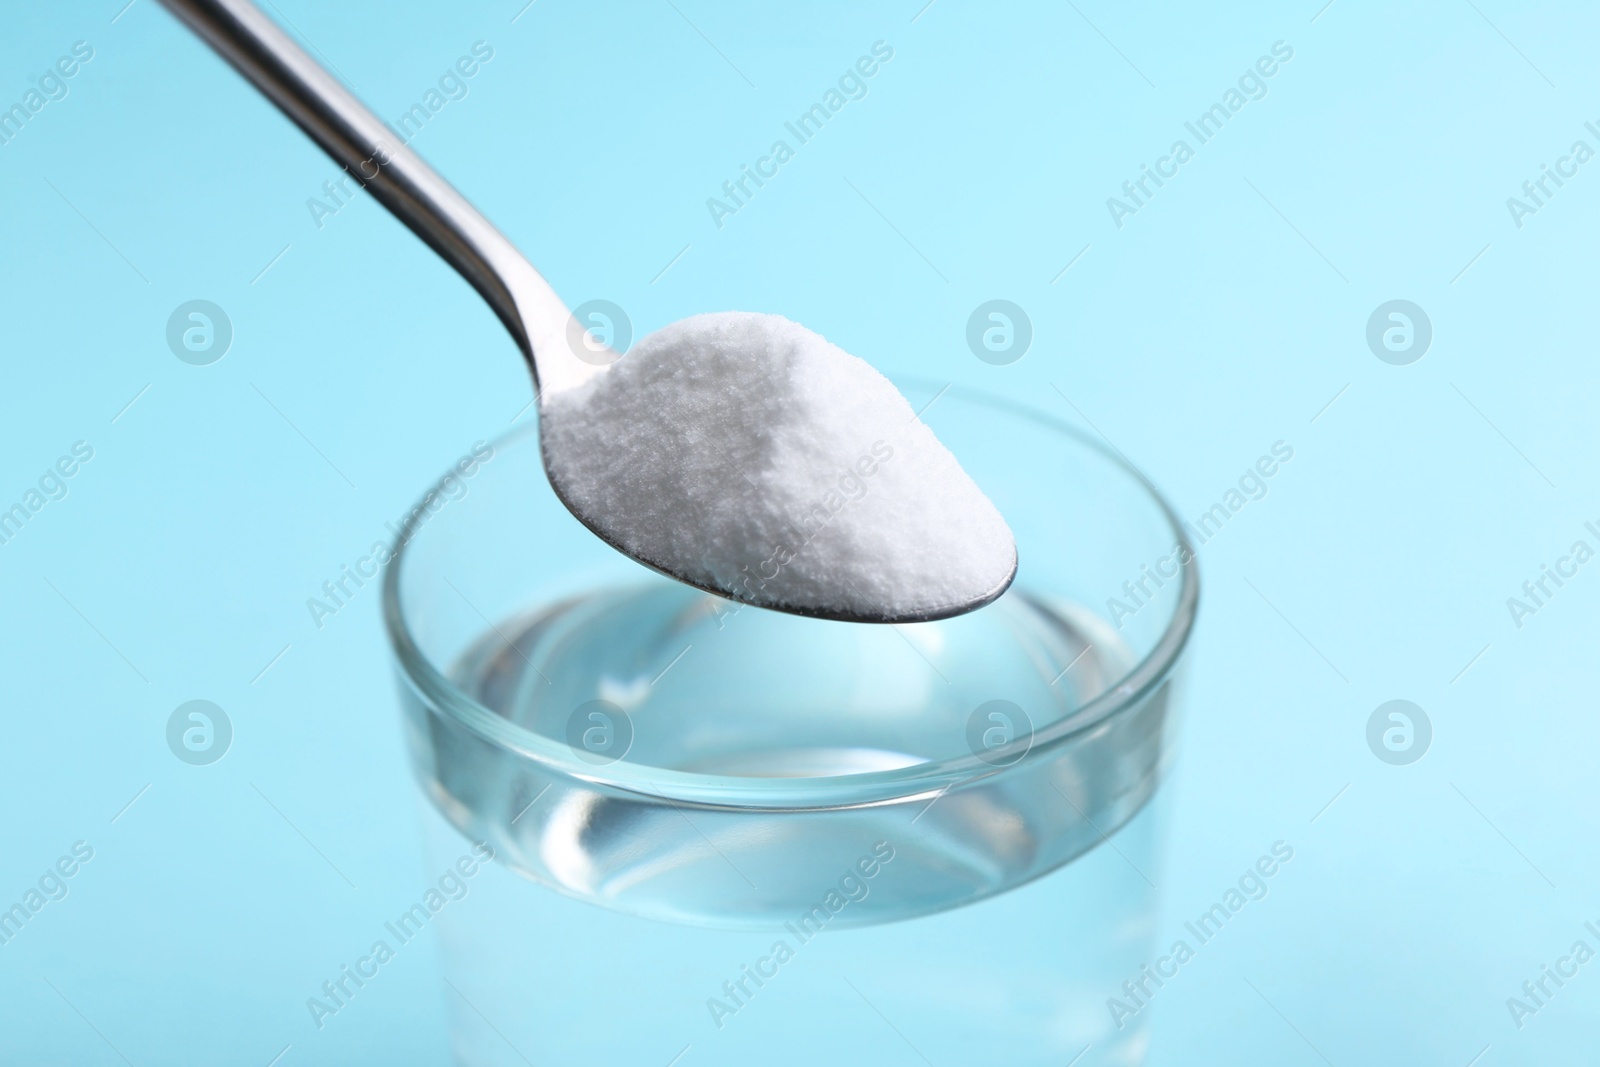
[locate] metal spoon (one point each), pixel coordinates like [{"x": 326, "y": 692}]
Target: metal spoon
[{"x": 416, "y": 195}]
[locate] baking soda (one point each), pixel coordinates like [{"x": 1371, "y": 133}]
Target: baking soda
[{"x": 748, "y": 455}]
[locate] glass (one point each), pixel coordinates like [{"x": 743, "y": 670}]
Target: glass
[{"x": 761, "y": 838}]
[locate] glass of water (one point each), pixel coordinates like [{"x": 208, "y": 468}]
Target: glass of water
[{"x": 673, "y": 830}]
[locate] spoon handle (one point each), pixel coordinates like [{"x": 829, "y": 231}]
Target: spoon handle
[{"x": 379, "y": 159}]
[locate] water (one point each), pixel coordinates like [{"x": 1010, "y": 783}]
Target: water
[{"x": 944, "y": 927}]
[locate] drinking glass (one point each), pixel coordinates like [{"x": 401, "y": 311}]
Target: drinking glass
[{"x": 671, "y": 829}]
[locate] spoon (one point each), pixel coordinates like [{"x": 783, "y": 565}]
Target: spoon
[{"x": 536, "y": 317}]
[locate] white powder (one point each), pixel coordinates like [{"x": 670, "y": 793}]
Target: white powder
[{"x": 747, "y": 454}]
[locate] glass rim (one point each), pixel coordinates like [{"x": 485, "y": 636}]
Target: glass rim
[{"x": 929, "y": 777}]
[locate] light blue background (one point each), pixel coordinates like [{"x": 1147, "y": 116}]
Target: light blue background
[{"x": 1221, "y": 318}]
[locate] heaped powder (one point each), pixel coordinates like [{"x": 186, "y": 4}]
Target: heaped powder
[{"x": 747, "y": 454}]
